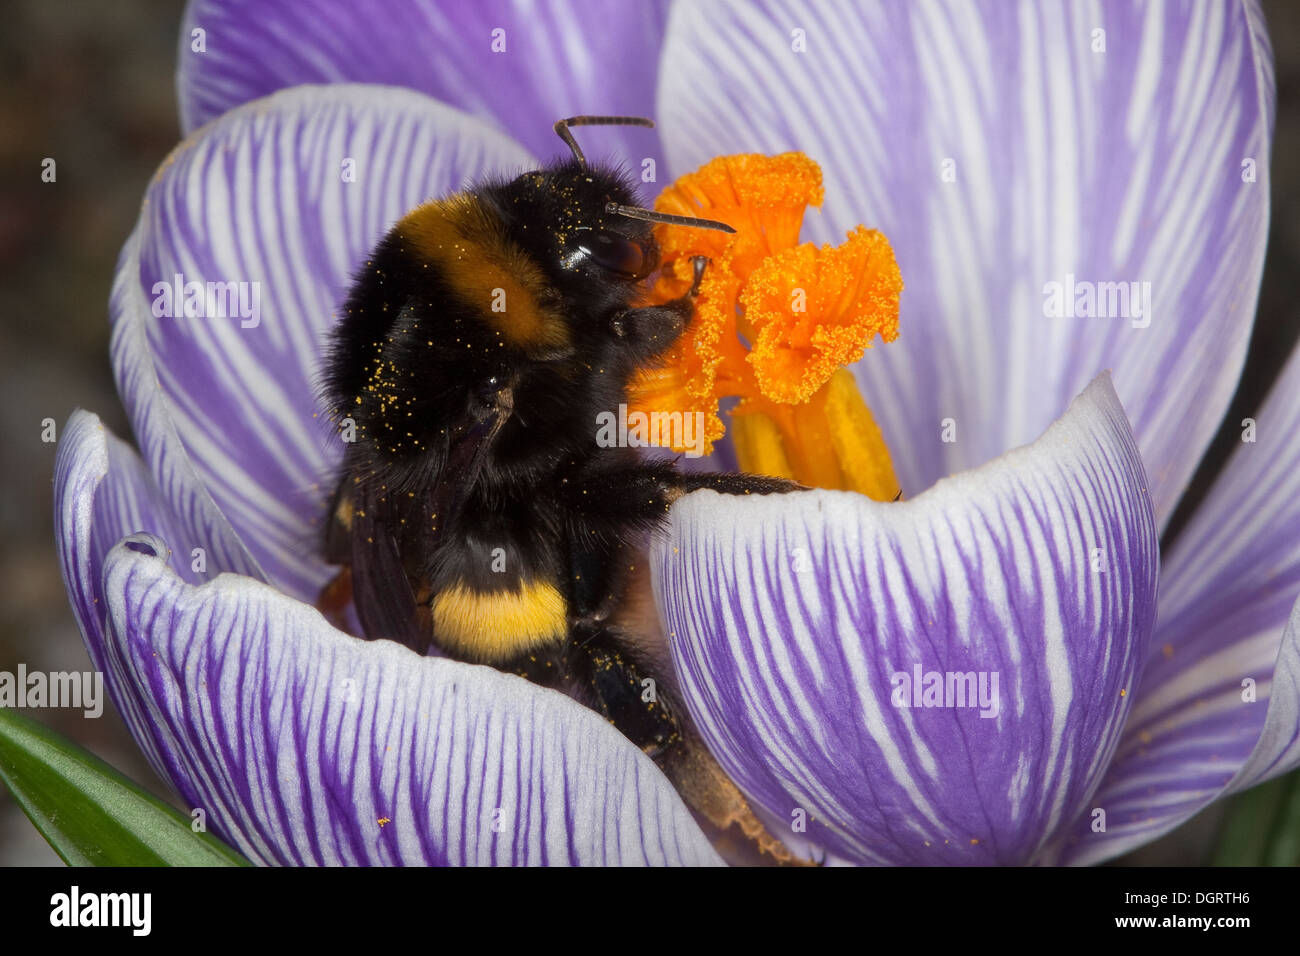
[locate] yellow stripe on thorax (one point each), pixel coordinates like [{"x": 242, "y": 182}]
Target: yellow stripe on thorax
[
  {"x": 495, "y": 625},
  {"x": 474, "y": 256}
]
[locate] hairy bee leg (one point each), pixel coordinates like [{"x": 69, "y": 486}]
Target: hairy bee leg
[
  {"x": 706, "y": 788},
  {"x": 651, "y": 330},
  {"x": 698, "y": 264},
  {"x": 654, "y": 328},
  {"x": 739, "y": 484},
  {"x": 644, "y": 710},
  {"x": 622, "y": 690},
  {"x": 650, "y": 487},
  {"x": 596, "y": 667}
]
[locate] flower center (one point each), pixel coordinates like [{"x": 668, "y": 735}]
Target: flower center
[{"x": 775, "y": 323}]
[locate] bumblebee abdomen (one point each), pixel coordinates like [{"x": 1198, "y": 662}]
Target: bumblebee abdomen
[{"x": 498, "y": 625}]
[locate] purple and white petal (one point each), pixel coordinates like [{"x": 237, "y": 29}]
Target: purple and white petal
[
  {"x": 1219, "y": 660},
  {"x": 304, "y": 745},
  {"x": 1002, "y": 148},
  {"x": 519, "y": 64},
  {"x": 279, "y": 203},
  {"x": 1278, "y": 749},
  {"x": 1176, "y": 761},
  {"x": 799, "y": 624},
  {"x": 100, "y": 488}
]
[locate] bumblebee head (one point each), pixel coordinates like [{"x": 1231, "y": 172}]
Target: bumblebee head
[
  {"x": 562, "y": 216},
  {"x": 583, "y": 223}
]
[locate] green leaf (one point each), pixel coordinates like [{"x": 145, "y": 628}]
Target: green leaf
[
  {"x": 88, "y": 812},
  {"x": 1262, "y": 826}
]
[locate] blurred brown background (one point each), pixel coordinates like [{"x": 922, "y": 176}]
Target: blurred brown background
[{"x": 92, "y": 85}]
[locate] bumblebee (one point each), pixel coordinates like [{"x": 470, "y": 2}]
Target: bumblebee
[{"x": 475, "y": 509}]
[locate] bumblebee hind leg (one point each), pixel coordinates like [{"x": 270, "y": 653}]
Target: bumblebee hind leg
[
  {"x": 617, "y": 686},
  {"x": 595, "y": 667}
]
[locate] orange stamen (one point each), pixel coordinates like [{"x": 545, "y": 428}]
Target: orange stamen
[
  {"x": 762, "y": 197},
  {"x": 774, "y": 323},
  {"x": 817, "y": 310}
]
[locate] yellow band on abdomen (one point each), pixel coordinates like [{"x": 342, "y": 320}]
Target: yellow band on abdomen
[{"x": 493, "y": 626}]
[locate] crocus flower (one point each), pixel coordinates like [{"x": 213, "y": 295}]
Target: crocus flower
[{"x": 1001, "y": 148}]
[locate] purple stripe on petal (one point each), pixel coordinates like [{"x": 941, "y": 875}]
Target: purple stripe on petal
[
  {"x": 279, "y": 201},
  {"x": 304, "y": 745},
  {"x": 792, "y": 617},
  {"x": 551, "y": 59},
  {"x": 1004, "y": 147}
]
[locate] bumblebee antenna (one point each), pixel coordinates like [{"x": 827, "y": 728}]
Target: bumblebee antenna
[
  {"x": 563, "y": 128},
  {"x": 649, "y": 215}
]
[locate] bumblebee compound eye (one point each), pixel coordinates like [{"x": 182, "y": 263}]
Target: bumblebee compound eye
[{"x": 613, "y": 253}]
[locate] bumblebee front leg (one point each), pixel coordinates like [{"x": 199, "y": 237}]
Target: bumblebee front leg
[
  {"x": 648, "y": 489},
  {"x": 652, "y": 329},
  {"x": 738, "y": 484}
]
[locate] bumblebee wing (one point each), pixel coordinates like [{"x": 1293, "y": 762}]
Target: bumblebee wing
[
  {"x": 362, "y": 535},
  {"x": 364, "y": 530}
]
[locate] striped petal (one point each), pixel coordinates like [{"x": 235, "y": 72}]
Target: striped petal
[
  {"x": 278, "y": 203},
  {"x": 1219, "y": 696},
  {"x": 303, "y": 745},
  {"x": 799, "y": 624},
  {"x": 1001, "y": 151},
  {"x": 102, "y": 490},
  {"x": 520, "y": 64}
]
